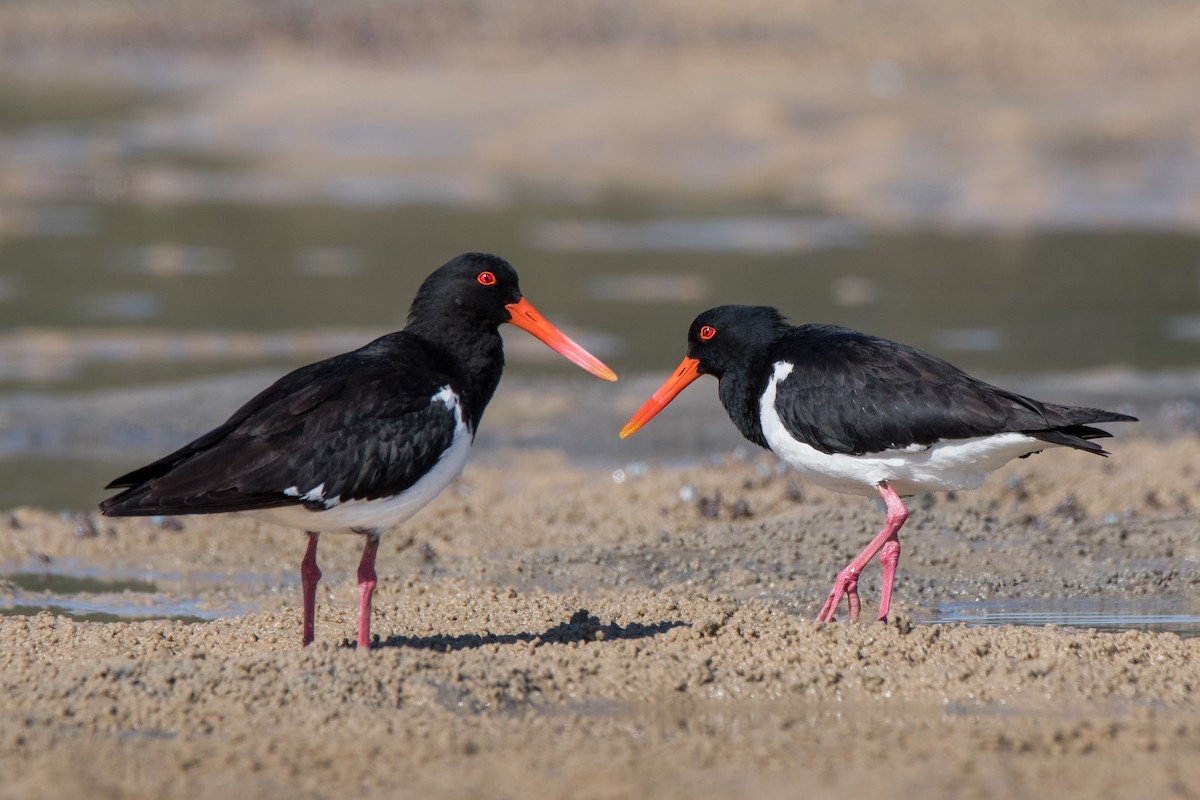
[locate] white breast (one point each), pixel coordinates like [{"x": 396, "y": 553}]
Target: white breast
[{"x": 946, "y": 465}]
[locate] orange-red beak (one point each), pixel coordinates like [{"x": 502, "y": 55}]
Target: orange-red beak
[
  {"x": 688, "y": 371},
  {"x": 527, "y": 318}
]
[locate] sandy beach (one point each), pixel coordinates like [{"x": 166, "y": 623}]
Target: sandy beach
[{"x": 553, "y": 631}]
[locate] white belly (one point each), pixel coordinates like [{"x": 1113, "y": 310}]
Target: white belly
[{"x": 947, "y": 465}]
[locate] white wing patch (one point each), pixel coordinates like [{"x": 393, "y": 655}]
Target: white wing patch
[
  {"x": 447, "y": 397},
  {"x": 313, "y": 495}
]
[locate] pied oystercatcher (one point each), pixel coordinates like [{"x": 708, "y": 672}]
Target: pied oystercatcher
[
  {"x": 361, "y": 441},
  {"x": 859, "y": 414}
]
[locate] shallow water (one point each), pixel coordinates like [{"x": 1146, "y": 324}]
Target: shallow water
[
  {"x": 117, "y": 294},
  {"x": 80, "y": 591},
  {"x": 117, "y": 605},
  {"x": 83, "y": 595},
  {"x": 1128, "y": 614}
]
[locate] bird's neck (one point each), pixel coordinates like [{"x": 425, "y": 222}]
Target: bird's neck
[
  {"x": 740, "y": 394},
  {"x": 473, "y": 356}
]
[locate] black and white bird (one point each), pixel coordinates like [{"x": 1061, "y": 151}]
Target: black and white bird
[
  {"x": 361, "y": 441},
  {"x": 859, "y": 414}
]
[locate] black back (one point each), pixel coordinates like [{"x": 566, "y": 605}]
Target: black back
[
  {"x": 853, "y": 393},
  {"x": 363, "y": 423}
]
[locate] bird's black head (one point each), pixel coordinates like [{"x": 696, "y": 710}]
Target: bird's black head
[
  {"x": 474, "y": 288},
  {"x": 730, "y": 342},
  {"x": 727, "y": 338},
  {"x": 460, "y": 306}
]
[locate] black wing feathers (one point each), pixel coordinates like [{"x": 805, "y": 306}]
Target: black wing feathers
[
  {"x": 361, "y": 426},
  {"x": 853, "y": 393}
]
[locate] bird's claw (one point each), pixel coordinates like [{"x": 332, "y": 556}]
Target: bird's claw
[{"x": 846, "y": 584}]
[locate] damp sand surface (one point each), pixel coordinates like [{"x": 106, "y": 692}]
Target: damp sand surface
[{"x": 551, "y": 630}]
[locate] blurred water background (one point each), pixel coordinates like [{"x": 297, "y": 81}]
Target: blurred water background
[{"x": 194, "y": 199}]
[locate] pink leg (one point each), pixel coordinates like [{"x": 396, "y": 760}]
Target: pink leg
[
  {"x": 889, "y": 557},
  {"x": 847, "y": 580},
  {"x": 366, "y": 588},
  {"x": 310, "y": 575}
]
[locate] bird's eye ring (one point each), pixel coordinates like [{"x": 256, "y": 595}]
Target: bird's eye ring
[
  {"x": 707, "y": 332},
  {"x": 487, "y": 279}
]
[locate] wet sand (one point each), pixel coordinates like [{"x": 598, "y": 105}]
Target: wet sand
[{"x": 554, "y": 631}]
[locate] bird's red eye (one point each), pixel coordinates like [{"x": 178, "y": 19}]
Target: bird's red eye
[
  {"x": 487, "y": 279},
  {"x": 707, "y": 332}
]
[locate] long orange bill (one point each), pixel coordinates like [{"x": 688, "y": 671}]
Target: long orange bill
[
  {"x": 527, "y": 318},
  {"x": 688, "y": 371}
]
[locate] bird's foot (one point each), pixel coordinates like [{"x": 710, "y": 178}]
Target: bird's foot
[{"x": 846, "y": 584}]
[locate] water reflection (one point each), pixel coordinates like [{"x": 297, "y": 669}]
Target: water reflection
[
  {"x": 95, "y": 599},
  {"x": 1081, "y": 614}
]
